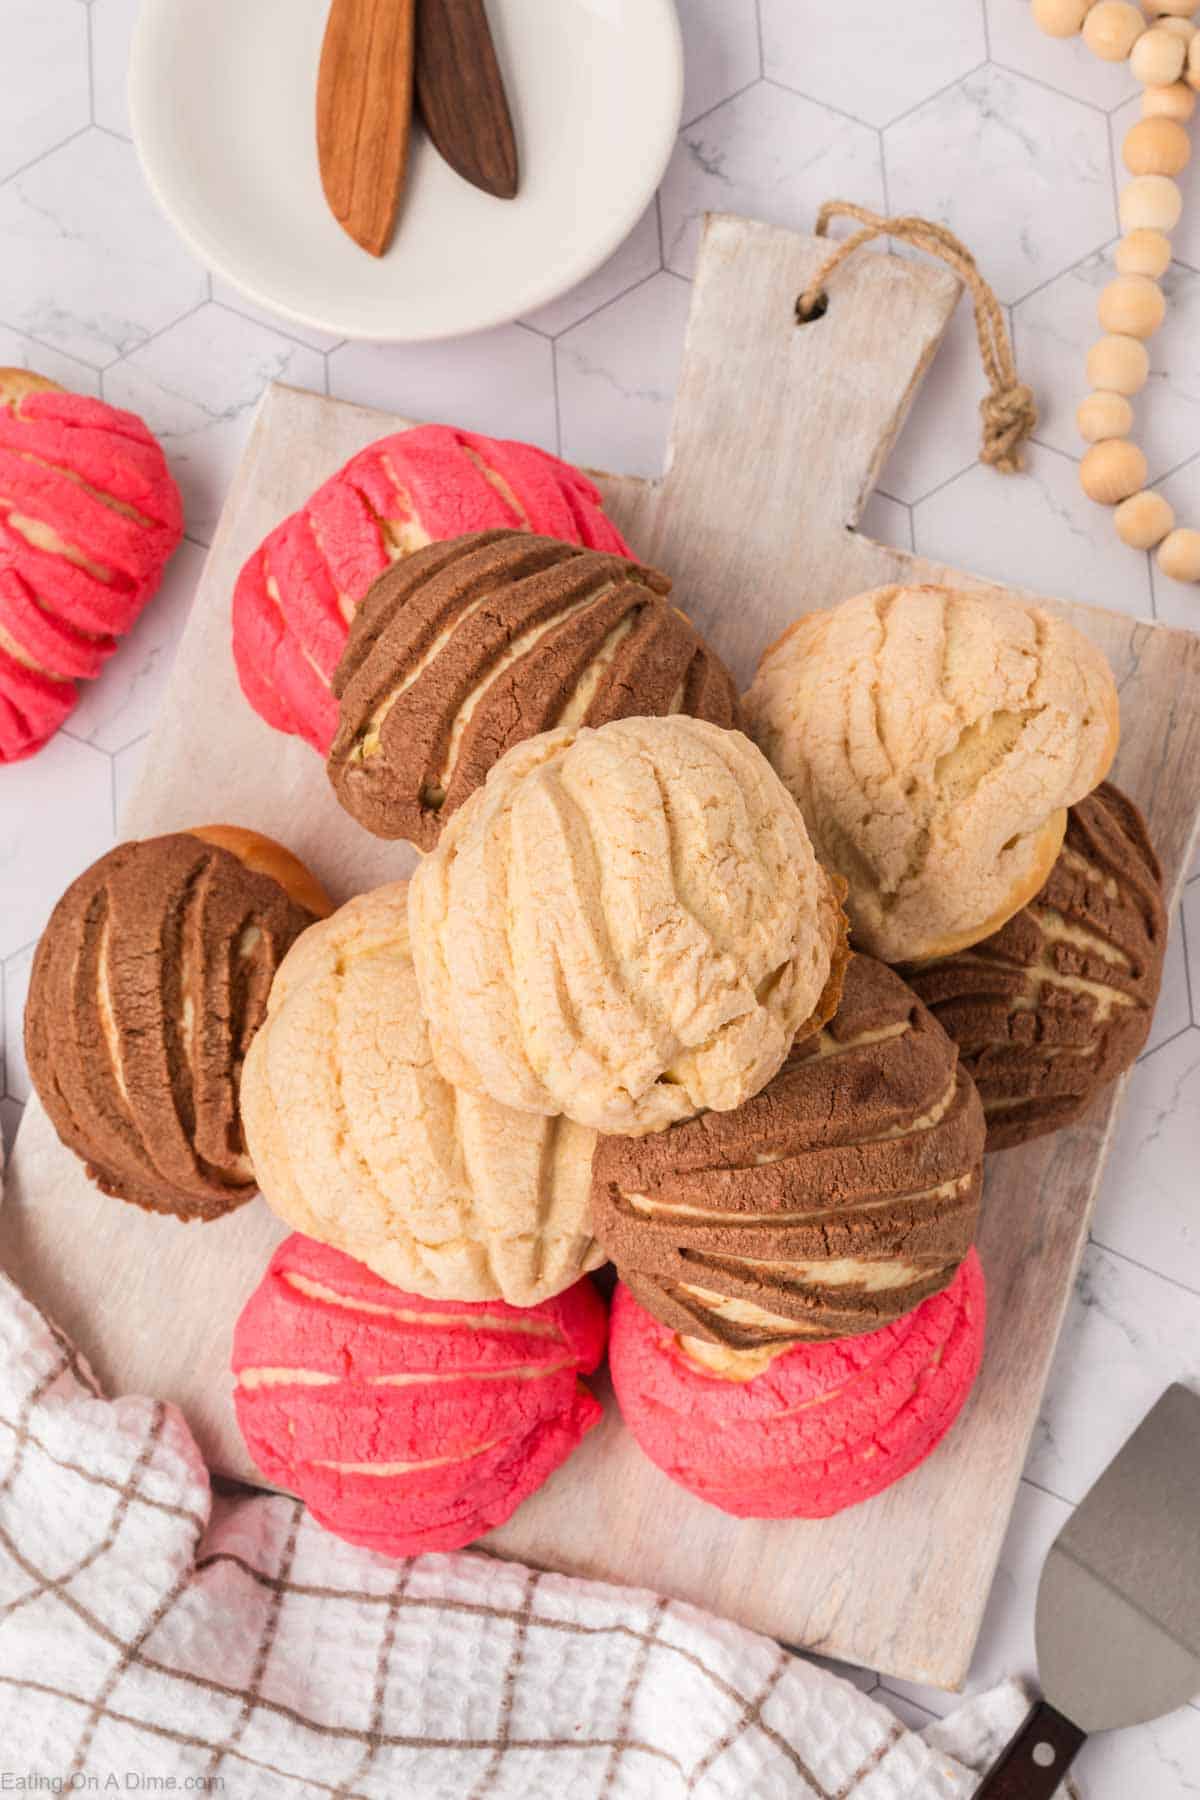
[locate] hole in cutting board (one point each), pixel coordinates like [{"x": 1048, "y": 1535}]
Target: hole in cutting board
[
  {"x": 819, "y": 308},
  {"x": 1043, "y": 1755}
]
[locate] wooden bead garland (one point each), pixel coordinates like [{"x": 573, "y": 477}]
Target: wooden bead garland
[{"x": 1161, "y": 41}]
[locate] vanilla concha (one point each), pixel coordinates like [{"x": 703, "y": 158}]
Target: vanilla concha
[
  {"x": 933, "y": 740},
  {"x": 626, "y": 925},
  {"x": 358, "y": 1142}
]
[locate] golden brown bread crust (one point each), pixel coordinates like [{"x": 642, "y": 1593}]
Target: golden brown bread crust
[
  {"x": 1057, "y": 1003},
  {"x": 148, "y": 985},
  {"x": 832, "y": 1203},
  {"x": 16, "y": 383},
  {"x": 468, "y": 647},
  {"x": 265, "y": 856}
]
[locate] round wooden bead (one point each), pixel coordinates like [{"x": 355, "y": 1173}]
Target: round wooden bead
[
  {"x": 1157, "y": 57},
  {"x": 1144, "y": 253},
  {"x": 1175, "y": 102},
  {"x": 1179, "y": 9},
  {"x": 1150, "y": 201},
  {"x": 1103, "y": 416},
  {"x": 1156, "y": 147},
  {"x": 1143, "y": 520},
  {"x": 1112, "y": 28},
  {"x": 1132, "y": 306},
  {"x": 1118, "y": 365},
  {"x": 1193, "y": 62},
  {"x": 1179, "y": 555},
  {"x": 1060, "y": 18},
  {"x": 1112, "y": 470},
  {"x": 1180, "y": 28}
]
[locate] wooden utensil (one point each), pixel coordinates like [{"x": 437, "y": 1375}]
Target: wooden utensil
[
  {"x": 1118, "y": 1607},
  {"x": 364, "y": 111},
  {"x": 460, "y": 93},
  {"x": 780, "y": 431}
]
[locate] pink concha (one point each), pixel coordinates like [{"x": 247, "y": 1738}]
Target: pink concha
[
  {"x": 296, "y": 595},
  {"x": 89, "y": 515},
  {"x": 408, "y": 1424},
  {"x": 824, "y": 1426}
]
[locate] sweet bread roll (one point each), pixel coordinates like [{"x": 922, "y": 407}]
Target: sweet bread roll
[
  {"x": 468, "y": 647},
  {"x": 89, "y": 515},
  {"x": 1057, "y": 1003},
  {"x": 405, "y": 1424},
  {"x": 933, "y": 740},
  {"x": 832, "y": 1203},
  {"x": 297, "y": 594},
  {"x": 148, "y": 985},
  {"x": 626, "y": 926},
  {"x": 357, "y": 1141},
  {"x": 812, "y": 1428}
]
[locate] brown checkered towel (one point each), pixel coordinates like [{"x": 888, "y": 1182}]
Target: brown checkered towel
[{"x": 151, "y": 1631}]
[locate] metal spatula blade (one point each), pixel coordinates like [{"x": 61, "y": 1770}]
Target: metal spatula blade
[{"x": 1118, "y": 1609}]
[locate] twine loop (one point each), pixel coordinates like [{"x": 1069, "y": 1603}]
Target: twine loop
[{"x": 1008, "y": 409}]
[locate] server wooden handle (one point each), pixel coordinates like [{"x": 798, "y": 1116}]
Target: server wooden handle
[
  {"x": 1036, "y": 1760},
  {"x": 460, "y": 93},
  {"x": 364, "y": 113}
]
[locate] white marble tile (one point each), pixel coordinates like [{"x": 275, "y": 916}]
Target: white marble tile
[
  {"x": 720, "y": 51},
  {"x": 227, "y": 295},
  {"x": 127, "y": 767},
  {"x": 617, "y": 374},
  {"x": 55, "y": 819},
  {"x": 112, "y": 34},
  {"x": 500, "y": 381},
  {"x": 1063, "y": 63},
  {"x": 769, "y": 154},
  {"x": 1147, "y": 1207},
  {"x": 1128, "y": 1334},
  {"x": 196, "y": 385},
  {"x": 888, "y": 521},
  {"x": 941, "y": 435},
  {"x": 122, "y": 703},
  {"x": 43, "y": 78},
  {"x": 87, "y": 262},
  {"x": 874, "y": 62},
  {"x": 636, "y": 259},
  {"x": 16, "y": 985},
  {"x": 998, "y": 147},
  {"x": 1159, "y": 1761},
  {"x": 1178, "y": 602},
  {"x": 20, "y": 352},
  {"x": 1036, "y": 530}
]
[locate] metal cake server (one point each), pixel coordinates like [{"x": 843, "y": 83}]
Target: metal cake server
[{"x": 1118, "y": 1607}]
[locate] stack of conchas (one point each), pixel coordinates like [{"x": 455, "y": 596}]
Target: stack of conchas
[
  {"x": 296, "y": 597},
  {"x": 89, "y": 515},
  {"x": 614, "y": 1014}
]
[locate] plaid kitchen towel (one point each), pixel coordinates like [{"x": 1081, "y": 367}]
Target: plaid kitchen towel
[{"x": 157, "y": 1637}]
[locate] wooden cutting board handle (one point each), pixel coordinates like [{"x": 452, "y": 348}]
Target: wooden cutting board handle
[
  {"x": 460, "y": 93},
  {"x": 1036, "y": 1761},
  {"x": 364, "y": 113}
]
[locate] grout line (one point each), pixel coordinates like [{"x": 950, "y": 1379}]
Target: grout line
[
  {"x": 122, "y": 137},
  {"x": 15, "y": 174},
  {"x": 939, "y": 94},
  {"x": 687, "y": 124},
  {"x": 1147, "y": 1054},
  {"x": 839, "y": 112},
  {"x": 1103, "y": 250},
  {"x": 1123, "y": 1256},
  {"x": 558, "y": 434},
  {"x": 907, "y": 1699},
  {"x": 1050, "y": 1493},
  {"x": 1047, "y": 87},
  {"x": 762, "y": 48},
  {"x": 553, "y": 337},
  {"x": 987, "y": 31},
  {"x": 91, "y": 52},
  {"x": 662, "y": 242}
]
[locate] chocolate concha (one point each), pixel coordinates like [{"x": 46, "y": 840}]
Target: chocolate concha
[
  {"x": 832, "y": 1203},
  {"x": 1058, "y": 1002},
  {"x": 466, "y": 648},
  {"x": 148, "y": 985}
]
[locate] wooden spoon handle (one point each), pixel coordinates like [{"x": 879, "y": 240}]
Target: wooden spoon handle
[
  {"x": 364, "y": 110},
  {"x": 460, "y": 92}
]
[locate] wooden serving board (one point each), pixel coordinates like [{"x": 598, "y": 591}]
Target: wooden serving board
[{"x": 779, "y": 433}]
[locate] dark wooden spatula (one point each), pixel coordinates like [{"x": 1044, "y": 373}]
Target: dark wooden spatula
[
  {"x": 460, "y": 94},
  {"x": 1118, "y": 1608},
  {"x": 364, "y": 111}
]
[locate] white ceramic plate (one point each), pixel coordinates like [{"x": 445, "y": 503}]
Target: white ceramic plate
[{"x": 223, "y": 100}]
